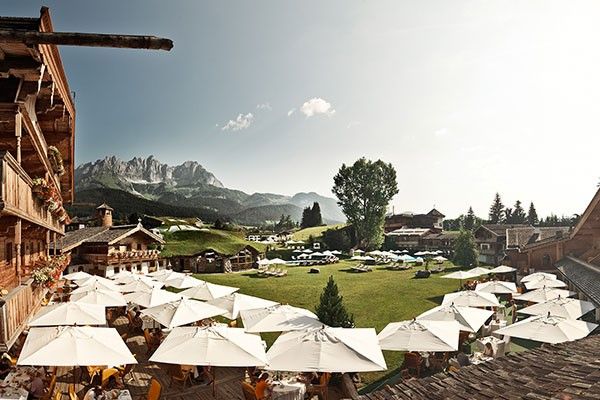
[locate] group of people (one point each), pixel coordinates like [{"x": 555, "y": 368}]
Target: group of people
[{"x": 262, "y": 382}]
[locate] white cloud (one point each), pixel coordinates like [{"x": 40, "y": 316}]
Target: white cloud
[
  {"x": 315, "y": 106},
  {"x": 241, "y": 122},
  {"x": 291, "y": 112},
  {"x": 264, "y": 106},
  {"x": 441, "y": 132}
]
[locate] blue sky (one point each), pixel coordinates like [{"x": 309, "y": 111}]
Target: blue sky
[{"x": 465, "y": 98}]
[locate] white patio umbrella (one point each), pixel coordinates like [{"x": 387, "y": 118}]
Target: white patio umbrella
[
  {"x": 264, "y": 261},
  {"x": 74, "y": 346},
  {"x": 440, "y": 259},
  {"x": 544, "y": 294},
  {"x": 182, "y": 312},
  {"x": 471, "y": 298},
  {"x": 96, "y": 286},
  {"x": 236, "y": 302},
  {"x": 560, "y": 307},
  {"x": 307, "y": 251},
  {"x": 327, "y": 350},
  {"x": 502, "y": 269},
  {"x": 153, "y": 298},
  {"x": 208, "y": 291},
  {"x": 548, "y": 329},
  {"x": 497, "y": 287},
  {"x": 74, "y": 276},
  {"x": 459, "y": 275},
  {"x": 279, "y": 318},
  {"x": 98, "y": 281},
  {"x": 536, "y": 276},
  {"x": 421, "y": 335},
  {"x": 478, "y": 271},
  {"x": 336, "y": 252},
  {"x": 281, "y": 261},
  {"x": 182, "y": 282},
  {"x": 70, "y": 313},
  {"x": 126, "y": 279},
  {"x": 159, "y": 273},
  {"x": 544, "y": 282},
  {"x": 217, "y": 346},
  {"x": 139, "y": 286},
  {"x": 470, "y": 319},
  {"x": 105, "y": 298},
  {"x": 166, "y": 274}
]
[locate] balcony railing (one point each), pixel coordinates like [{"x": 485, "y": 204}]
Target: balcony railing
[
  {"x": 16, "y": 195},
  {"x": 17, "y": 307},
  {"x": 122, "y": 257}
]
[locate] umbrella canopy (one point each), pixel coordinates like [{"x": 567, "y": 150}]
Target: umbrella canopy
[
  {"x": 236, "y": 302},
  {"x": 327, "y": 350},
  {"x": 76, "y": 276},
  {"x": 74, "y": 346},
  {"x": 105, "y": 298},
  {"x": 548, "y": 329},
  {"x": 422, "y": 335},
  {"x": 471, "y": 298},
  {"x": 502, "y": 269},
  {"x": 140, "y": 286},
  {"x": 217, "y": 346},
  {"x": 94, "y": 279},
  {"x": 497, "y": 287},
  {"x": 96, "y": 286},
  {"x": 159, "y": 273},
  {"x": 440, "y": 258},
  {"x": 208, "y": 291},
  {"x": 307, "y": 251},
  {"x": 279, "y": 318},
  {"x": 459, "y": 275},
  {"x": 182, "y": 282},
  {"x": 153, "y": 298},
  {"x": 70, "y": 313},
  {"x": 478, "y": 271},
  {"x": 166, "y": 274},
  {"x": 264, "y": 261},
  {"x": 336, "y": 252},
  {"x": 131, "y": 278},
  {"x": 560, "y": 307},
  {"x": 470, "y": 319},
  {"x": 537, "y": 275},
  {"x": 544, "y": 294},
  {"x": 407, "y": 258},
  {"x": 182, "y": 312},
  {"x": 544, "y": 282}
]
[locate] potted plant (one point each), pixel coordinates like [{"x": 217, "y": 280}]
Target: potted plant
[{"x": 56, "y": 160}]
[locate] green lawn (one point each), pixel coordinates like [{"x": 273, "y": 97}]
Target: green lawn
[
  {"x": 186, "y": 243},
  {"x": 375, "y": 298},
  {"x": 317, "y": 231}
]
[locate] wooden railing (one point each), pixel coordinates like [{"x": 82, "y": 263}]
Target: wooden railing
[
  {"x": 16, "y": 195},
  {"x": 123, "y": 256},
  {"x": 18, "y": 306}
]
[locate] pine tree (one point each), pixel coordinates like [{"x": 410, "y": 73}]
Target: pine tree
[
  {"x": 508, "y": 215},
  {"x": 465, "y": 249},
  {"x": 331, "y": 310},
  {"x": 305, "y": 222},
  {"x": 518, "y": 214},
  {"x": 532, "y": 216},
  {"x": 316, "y": 218},
  {"x": 469, "y": 220},
  {"x": 496, "y": 215}
]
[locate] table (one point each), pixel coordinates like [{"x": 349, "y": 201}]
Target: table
[
  {"x": 287, "y": 390},
  {"x": 498, "y": 345},
  {"x": 149, "y": 323},
  {"x": 114, "y": 394},
  {"x": 13, "y": 386},
  {"x": 479, "y": 358}
]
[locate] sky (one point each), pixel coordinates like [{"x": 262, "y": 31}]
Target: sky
[{"x": 464, "y": 98}]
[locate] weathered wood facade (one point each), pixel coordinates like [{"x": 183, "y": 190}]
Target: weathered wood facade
[
  {"x": 37, "y": 126},
  {"x": 210, "y": 261}
]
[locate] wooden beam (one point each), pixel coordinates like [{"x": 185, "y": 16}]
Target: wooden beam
[
  {"x": 19, "y": 64},
  {"x": 86, "y": 39}
]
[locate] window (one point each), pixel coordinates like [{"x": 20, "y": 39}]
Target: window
[
  {"x": 139, "y": 246},
  {"x": 8, "y": 253},
  {"x": 484, "y": 246}
]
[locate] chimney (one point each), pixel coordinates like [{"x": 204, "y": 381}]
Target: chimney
[{"x": 104, "y": 215}]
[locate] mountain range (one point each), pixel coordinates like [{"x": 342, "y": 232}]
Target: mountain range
[{"x": 181, "y": 190}]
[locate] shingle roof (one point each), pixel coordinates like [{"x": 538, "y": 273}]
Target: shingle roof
[
  {"x": 585, "y": 276},
  {"x": 100, "y": 234},
  {"x": 523, "y": 236},
  {"x": 73, "y": 238},
  {"x": 435, "y": 213},
  {"x": 549, "y": 372},
  {"x": 500, "y": 229},
  {"x": 104, "y": 206}
]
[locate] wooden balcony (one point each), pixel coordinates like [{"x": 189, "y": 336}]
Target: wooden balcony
[
  {"x": 16, "y": 196},
  {"x": 15, "y": 309},
  {"x": 123, "y": 257}
]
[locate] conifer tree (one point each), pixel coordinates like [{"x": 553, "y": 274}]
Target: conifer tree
[
  {"x": 469, "y": 220},
  {"x": 496, "y": 215},
  {"x": 331, "y": 310},
  {"x": 518, "y": 214},
  {"x": 532, "y": 216}
]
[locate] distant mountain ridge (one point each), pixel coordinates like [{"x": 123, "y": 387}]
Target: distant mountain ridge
[{"x": 190, "y": 186}]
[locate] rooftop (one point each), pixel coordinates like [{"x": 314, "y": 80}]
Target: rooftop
[
  {"x": 523, "y": 236},
  {"x": 585, "y": 276},
  {"x": 101, "y": 234}
]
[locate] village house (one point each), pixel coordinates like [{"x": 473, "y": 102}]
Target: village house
[
  {"x": 433, "y": 220},
  {"x": 407, "y": 238},
  {"x": 491, "y": 242},
  {"x": 522, "y": 239},
  {"x": 106, "y": 249},
  {"x": 443, "y": 241},
  {"x": 210, "y": 260},
  {"x": 37, "y": 130}
]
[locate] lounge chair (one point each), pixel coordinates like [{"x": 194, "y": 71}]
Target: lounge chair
[{"x": 154, "y": 391}]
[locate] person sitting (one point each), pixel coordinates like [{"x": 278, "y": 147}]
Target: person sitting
[
  {"x": 488, "y": 350},
  {"x": 309, "y": 378},
  {"x": 262, "y": 387},
  {"x": 95, "y": 393},
  {"x": 36, "y": 387},
  {"x": 5, "y": 366},
  {"x": 463, "y": 359}
]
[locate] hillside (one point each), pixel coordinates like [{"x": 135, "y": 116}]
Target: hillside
[
  {"x": 316, "y": 231},
  {"x": 186, "y": 243}
]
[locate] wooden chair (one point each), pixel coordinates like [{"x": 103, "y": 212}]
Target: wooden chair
[
  {"x": 72, "y": 393},
  {"x": 412, "y": 362},
  {"x": 322, "y": 389},
  {"x": 150, "y": 343},
  {"x": 123, "y": 372},
  {"x": 182, "y": 374},
  {"x": 106, "y": 374},
  {"x": 248, "y": 391},
  {"x": 49, "y": 395},
  {"x": 57, "y": 395},
  {"x": 93, "y": 371},
  {"x": 154, "y": 390}
]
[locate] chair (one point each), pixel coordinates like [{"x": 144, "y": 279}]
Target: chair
[
  {"x": 106, "y": 374},
  {"x": 151, "y": 344},
  {"x": 248, "y": 391},
  {"x": 322, "y": 389},
  {"x": 57, "y": 395},
  {"x": 154, "y": 390},
  {"x": 125, "y": 371},
  {"x": 50, "y": 393},
  {"x": 412, "y": 362},
  {"x": 93, "y": 371},
  {"x": 72, "y": 394},
  {"x": 182, "y": 374}
]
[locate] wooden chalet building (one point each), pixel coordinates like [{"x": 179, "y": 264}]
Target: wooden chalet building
[
  {"x": 520, "y": 240},
  {"x": 210, "y": 261},
  {"x": 433, "y": 220},
  {"x": 491, "y": 242},
  {"x": 37, "y": 129},
  {"x": 106, "y": 249}
]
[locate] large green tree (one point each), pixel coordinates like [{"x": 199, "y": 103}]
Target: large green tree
[
  {"x": 532, "y": 216},
  {"x": 311, "y": 216},
  {"x": 331, "y": 310},
  {"x": 469, "y": 220},
  {"x": 496, "y": 215},
  {"x": 518, "y": 214},
  {"x": 465, "y": 249},
  {"x": 364, "y": 191}
]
